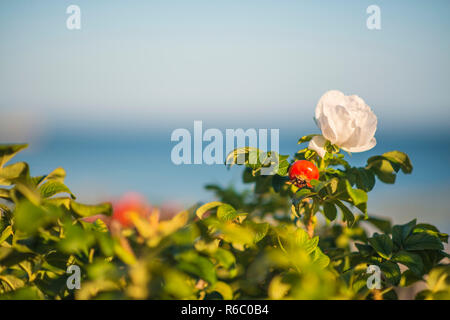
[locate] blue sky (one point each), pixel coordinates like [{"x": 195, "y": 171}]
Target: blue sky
[{"x": 251, "y": 63}]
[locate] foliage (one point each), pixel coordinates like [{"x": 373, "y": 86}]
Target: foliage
[{"x": 265, "y": 244}]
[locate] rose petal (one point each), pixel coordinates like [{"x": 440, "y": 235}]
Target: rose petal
[
  {"x": 326, "y": 128},
  {"x": 370, "y": 127},
  {"x": 372, "y": 143},
  {"x": 317, "y": 144},
  {"x": 335, "y": 122},
  {"x": 344, "y": 124}
]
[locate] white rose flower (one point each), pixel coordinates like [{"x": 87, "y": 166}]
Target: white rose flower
[
  {"x": 317, "y": 144},
  {"x": 346, "y": 121}
]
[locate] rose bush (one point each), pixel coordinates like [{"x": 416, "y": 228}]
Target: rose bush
[{"x": 298, "y": 234}]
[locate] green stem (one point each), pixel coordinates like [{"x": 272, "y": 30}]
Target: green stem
[
  {"x": 322, "y": 164},
  {"x": 308, "y": 221}
]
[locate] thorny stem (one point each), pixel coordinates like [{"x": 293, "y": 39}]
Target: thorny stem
[
  {"x": 309, "y": 224},
  {"x": 308, "y": 219}
]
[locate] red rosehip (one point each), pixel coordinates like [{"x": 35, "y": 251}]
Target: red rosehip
[
  {"x": 302, "y": 172},
  {"x": 131, "y": 204}
]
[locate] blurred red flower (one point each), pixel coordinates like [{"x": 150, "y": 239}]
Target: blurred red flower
[{"x": 131, "y": 204}]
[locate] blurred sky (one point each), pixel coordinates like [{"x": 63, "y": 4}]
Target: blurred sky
[
  {"x": 92, "y": 99},
  {"x": 162, "y": 63}
]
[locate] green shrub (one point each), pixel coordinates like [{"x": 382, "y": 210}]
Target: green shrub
[{"x": 278, "y": 242}]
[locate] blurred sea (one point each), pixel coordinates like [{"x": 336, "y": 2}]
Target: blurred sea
[{"x": 105, "y": 164}]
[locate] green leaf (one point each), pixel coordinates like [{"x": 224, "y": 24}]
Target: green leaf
[
  {"x": 334, "y": 186},
  {"x": 186, "y": 235},
  {"x": 258, "y": 160},
  {"x": 409, "y": 278},
  {"x": 401, "y": 159},
  {"x": 57, "y": 175},
  {"x": 176, "y": 283},
  {"x": 299, "y": 240},
  {"x": 365, "y": 179},
  {"x": 12, "y": 256},
  {"x": 224, "y": 257},
  {"x": 60, "y": 202},
  {"x": 206, "y": 207},
  {"x": 347, "y": 214},
  {"x": 439, "y": 279},
  {"x": 278, "y": 182},
  {"x": 10, "y": 282},
  {"x": 263, "y": 184},
  {"x": 309, "y": 154},
  {"x": 320, "y": 259},
  {"x": 391, "y": 272},
  {"x": 13, "y": 172},
  {"x": 299, "y": 197},
  {"x": 411, "y": 260},
  {"x": 260, "y": 229},
  {"x": 197, "y": 265},
  {"x": 5, "y": 193},
  {"x": 432, "y": 230},
  {"x": 382, "y": 244},
  {"x": 25, "y": 293},
  {"x": 283, "y": 165},
  {"x": 29, "y": 217},
  {"x": 330, "y": 211},
  {"x": 248, "y": 177},
  {"x": 382, "y": 224},
  {"x": 224, "y": 289},
  {"x": 27, "y": 191},
  {"x": 358, "y": 196},
  {"x": 84, "y": 210},
  {"x": 7, "y": 152},
  {"x": 243, "y": 156},
  {"x": 76, "y": 239},
  {"x": 319, "y": 185},
  {"x": 364, "y": 249},
  {"x": 106, "y": 243},
  {"x": 100, "y": 226},
  {"x": 306, "y": 138},
  {"x": 35, "y": 181},
  {"x": 384, "y": 170},
  {"x": 387, "y": 165},
  {"x": 225, "y": 212},
  {"x": 277, "y": 288},
  {"x": 5, "y": 234},
  {"x": 236, "y": 234},
  {"x": 401, "y": 232},
  {"x": 51, "y": 188},
  {"x": 423, "y": 241},
  {"x": 302, "y": 194},
  {"x": 123, "y": 254}
]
